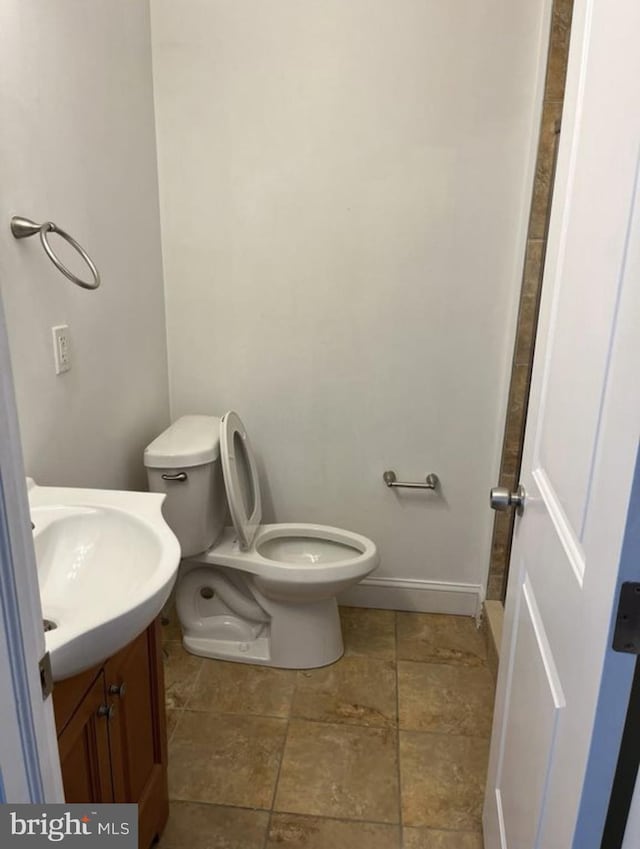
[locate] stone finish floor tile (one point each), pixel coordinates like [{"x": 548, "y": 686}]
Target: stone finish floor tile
[
  {"x": 181, "y": 670},
  {"x": 355, "y": 690},
  {"x": 194, "y": 826},
  {"x": 445, "y": 699},
  {"x": 368, "y": 633},
  {"x": 243, "y": 689},
  {"x": 227, "y": 760},
  {"x": 439, "y": 638},
  {"x": 334, "y": 783},
  {"x": 426, "y": 838},
  {"x": 341, "y": 771},
  {"x": 292, "y": 831},
  {"x": 172, "y": 720},
  {"x": 443, "y": 779}
]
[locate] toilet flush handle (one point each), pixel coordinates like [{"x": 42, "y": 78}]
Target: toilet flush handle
[{"x": 178, "y": 476}]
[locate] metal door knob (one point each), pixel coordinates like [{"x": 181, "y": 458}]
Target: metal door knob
[
  {"x": 502, "y": 498},
  {"x": 118, "y": 690}
]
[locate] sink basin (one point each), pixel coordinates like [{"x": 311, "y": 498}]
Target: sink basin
[{"x": 106, "y": 562}]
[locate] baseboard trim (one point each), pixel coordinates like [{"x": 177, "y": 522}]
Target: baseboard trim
[{"x": 415, "y": 595}]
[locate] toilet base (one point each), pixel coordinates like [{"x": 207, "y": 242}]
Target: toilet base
[
  {"x": 224, "y": 615},
  {"x": 298, "y": 636},
  {"x": 256, "y": 651}
]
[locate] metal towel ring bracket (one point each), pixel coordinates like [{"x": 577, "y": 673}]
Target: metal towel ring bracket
[{"x": 22, "y": 228}]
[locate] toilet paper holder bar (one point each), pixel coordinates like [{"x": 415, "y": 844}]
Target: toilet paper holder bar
[{"x": 431, "y": 481}]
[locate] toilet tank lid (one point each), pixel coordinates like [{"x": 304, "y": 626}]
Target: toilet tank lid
[{"x": 189, "y": 441}]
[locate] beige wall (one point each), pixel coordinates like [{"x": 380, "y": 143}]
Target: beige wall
[
  {"x": 77, "y": 146},
  {"x": 344, "y": 190}
]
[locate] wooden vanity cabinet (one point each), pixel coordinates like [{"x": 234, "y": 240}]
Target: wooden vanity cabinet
[
  {"x": 112, "y": 733},
  {"x": 84, "y": 750}
]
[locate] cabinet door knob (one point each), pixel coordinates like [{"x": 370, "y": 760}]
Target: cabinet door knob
[
  {"x": 118, "y": 690},
  {"x": 106, "y": 711}
]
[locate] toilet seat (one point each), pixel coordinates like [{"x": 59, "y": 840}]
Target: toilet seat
[
  {"x": 303, "y": 550},
  {"x": 241, "y": 480},
  {"x": 338, "y": 559},
  {"x": 305, "y": 553},
  {"x": 311, "y": 553},
  {"x": 351, "y": 554}
]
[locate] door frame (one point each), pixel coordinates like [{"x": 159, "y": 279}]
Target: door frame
[{"x": 29, "y": 760}]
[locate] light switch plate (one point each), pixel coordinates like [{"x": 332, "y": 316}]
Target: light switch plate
[{"x": 61, "y": 348}]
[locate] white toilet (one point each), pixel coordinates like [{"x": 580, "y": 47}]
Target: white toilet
[{"x": 253, "y": 593}]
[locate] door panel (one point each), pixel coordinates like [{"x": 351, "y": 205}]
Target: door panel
[
  {"x": 132, "y": 729},
  {"x": 571, "y": 400},
  {"x": 563, "y": 533},
  {"x": 138, "y": 732},
  {"x": 84, "y": 751},
  {"x": 535, "y": 704}
]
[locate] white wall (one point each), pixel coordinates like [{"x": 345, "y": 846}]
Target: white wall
[
  {"x": 344, "y": 189},
  {"x": 77, "y": 146}
]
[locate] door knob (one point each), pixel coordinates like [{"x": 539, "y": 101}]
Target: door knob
[
  {"x": 118, "y": 690},
  {"x": 502, "y": 498},
  {"x": 106, "y": 711}
]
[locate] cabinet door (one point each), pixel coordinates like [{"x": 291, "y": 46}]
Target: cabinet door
[
  {"x": 84, "y": 750},
  {"x": 135, "y": 687}
]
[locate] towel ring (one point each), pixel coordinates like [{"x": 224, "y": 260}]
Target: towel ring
[{"x": 22, "y": 228}]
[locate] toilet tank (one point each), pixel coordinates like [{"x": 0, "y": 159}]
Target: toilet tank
[{"x": 184, "y": 462}]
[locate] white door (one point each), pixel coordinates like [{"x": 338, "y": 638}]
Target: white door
[
  {"x": 579, "y": 458},
  {"x": 29, "y": 761}
]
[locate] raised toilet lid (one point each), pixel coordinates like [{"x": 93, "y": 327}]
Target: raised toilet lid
[{"x": 240, "y": 478}]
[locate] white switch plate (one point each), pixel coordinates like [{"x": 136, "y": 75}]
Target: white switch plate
[{"x": 61, "y": 348}]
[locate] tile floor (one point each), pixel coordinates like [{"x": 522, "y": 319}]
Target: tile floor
[{"x": 385, "y": 749}]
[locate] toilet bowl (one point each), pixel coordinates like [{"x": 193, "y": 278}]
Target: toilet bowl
[{"x": 248, "y": 592}]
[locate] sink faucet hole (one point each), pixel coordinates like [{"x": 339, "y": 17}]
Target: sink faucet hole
[{"x": 49, "y": 625}]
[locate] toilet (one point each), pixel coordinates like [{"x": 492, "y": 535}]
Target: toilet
[{"x": 254, "y": 593}]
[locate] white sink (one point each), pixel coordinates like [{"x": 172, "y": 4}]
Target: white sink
[{"x": 106, "y": 562}]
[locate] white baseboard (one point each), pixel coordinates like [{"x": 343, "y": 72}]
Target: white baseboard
[{"x": 415, "y": 595}]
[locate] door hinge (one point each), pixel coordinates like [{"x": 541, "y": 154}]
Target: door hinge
[
  {"x": 626, "y": 636},
  {"x": 46, "y": 676}
]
